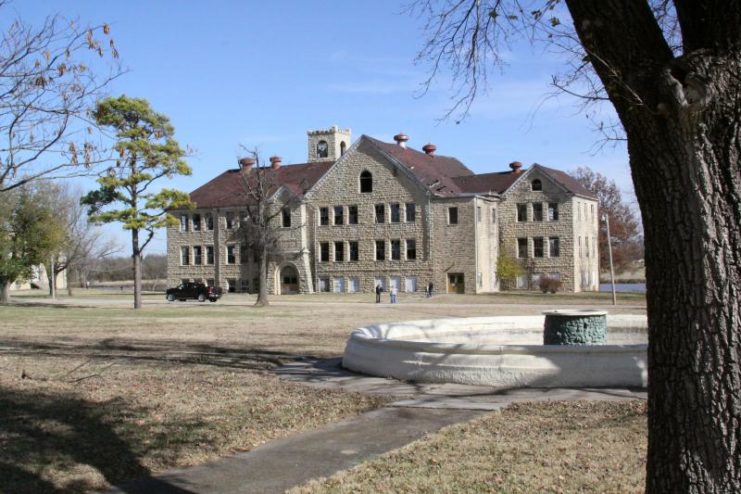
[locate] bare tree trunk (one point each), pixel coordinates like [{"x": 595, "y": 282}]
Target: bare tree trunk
[
  {"x": 137, "y": 268},
  {"x": 52, "y": 278},
  {"x": 5, "y": 291},
  {"x": 262, "y": 293}
]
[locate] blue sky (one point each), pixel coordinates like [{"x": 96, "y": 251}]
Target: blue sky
[{"x": 259, "y": 74}]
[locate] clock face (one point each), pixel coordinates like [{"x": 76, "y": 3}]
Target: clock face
[{"x": 321, "y": 149}]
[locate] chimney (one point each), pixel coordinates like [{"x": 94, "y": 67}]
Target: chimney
[
  {"x": 516, "y": 167},
  {"x": 429, "y": 149},
  {"x": 245, "y": 164},
  {"x": 275, "y": 162},
  {"x": 401, "y": 139}
]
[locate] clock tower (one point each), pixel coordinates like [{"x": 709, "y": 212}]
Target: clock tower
[{"x": 328, "y": 144}]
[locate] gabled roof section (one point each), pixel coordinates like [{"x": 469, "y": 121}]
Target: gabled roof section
[
  {"x": 227, "y": 189},
  {"x": 435, "y": 173},
  {"x": 566, "y": 181}
]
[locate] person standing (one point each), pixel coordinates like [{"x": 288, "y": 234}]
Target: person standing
[
  {"x": 378, "y": 293},
  {"x": 392, "y": 294},
  {"x": 429, "y": 289}
]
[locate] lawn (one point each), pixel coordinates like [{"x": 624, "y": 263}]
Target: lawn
[
  {"x": 94, "y": 392},
  {"x": 549, "y": 447}
]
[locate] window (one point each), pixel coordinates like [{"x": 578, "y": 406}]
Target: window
[
  {"x": 197, "y": 257},
  {"x": 353, "y": 251},
  {"x": 538, "y": 247},
  {"x": 396, "y": 250},
  {"x": 581, "y": 252},
  {"x": 552, "y": 211},
  {"x": 536, "y": 184},
  {"x": 230, "y": 224},
  {"x": 554, "y": 247},
  {"x": 353, "y": 284},
  {"x": 380, "y": 213},
  {"x": 324, "y": 251},
  {"x": 411, "y": 212},
  {"x": 522, "y": 248},
  {"x": 522, "y": 212},
  {"x": 244, "y": 285},
  {"x": 411, "y": 249},
  {"x": 209, "y": 221},
  {"x": 410, "y": 284},
  {"x": 343, "y": 147},
  {"x": 592, "y": 208},
  {"x": 537, "y": 211},
  {"x": 339, "y": 215},
  {"x": 209, "y": 254},
  {"x": 324, "y": 216},
  {"x": 366, "y": 182},
  {"x": 352, "y": 215},
  {"x": 578, "y": 211},
  {"x": 339, "y": 251},
  {"x": 452, "y": 216},
  {"x": 395, "y": 212},
  {"x": 339, "y": 285},
  {"x": 586, "y": 245},
  {"x": 210, "y": 282},
  {"x": 286, "y": 217},
  {"x": 196, "y": 222},
  {"x": 322, "y": 149},
  {"x": 380, "y": 250},
  {"x": 493, "y": 215},
  {"x": 231, "y": 257},
  {"x": 183, "y": 222},
  {"x": 231, "y": 285},
  {"x": 184, "y": 256},
  {"x": 478, "y": 214},
  {"x": 244, "y": 254},
  {"x": 324, "y": 284}
]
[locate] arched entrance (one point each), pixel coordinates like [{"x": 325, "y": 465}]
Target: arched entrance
[{"x": 288, "y": 280}]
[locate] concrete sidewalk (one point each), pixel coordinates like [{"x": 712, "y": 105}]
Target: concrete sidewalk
[{"x": 421, "y": 409}]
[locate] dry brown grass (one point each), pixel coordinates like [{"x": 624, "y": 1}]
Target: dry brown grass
[
  {"x": 534, "y": 447},
  {"x": 91, "y": 395}
]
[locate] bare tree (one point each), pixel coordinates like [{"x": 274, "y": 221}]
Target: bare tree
[
  {"x": 265, "y": 199},
  {"x": 671, "y": 70},
  {"x": 47, "y": 86},
  {"x": 83, "y": 244}
]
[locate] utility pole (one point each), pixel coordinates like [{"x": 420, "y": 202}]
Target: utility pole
[{"x": 609, "y": 252}]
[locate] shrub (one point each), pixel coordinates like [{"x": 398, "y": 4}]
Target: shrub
[{"x": 548, "y": 284}]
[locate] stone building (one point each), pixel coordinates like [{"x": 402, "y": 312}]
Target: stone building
[{"x": 371, "y": 213}]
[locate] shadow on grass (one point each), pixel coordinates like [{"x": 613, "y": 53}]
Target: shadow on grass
[
  {"x": 164, "y": 351},
  {"x": 43, "y": 432}
]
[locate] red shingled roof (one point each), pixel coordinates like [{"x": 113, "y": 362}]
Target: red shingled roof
[
  {"x": 567, "y": 181},
  {"x": 227, "y": 189},
  {"x": 434, "y": 172},
  {"x": 496, "y": 182}
]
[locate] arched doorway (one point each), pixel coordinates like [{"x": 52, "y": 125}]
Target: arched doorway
[{"x": 288, "y": 280}]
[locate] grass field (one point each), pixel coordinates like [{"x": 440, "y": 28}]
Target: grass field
[{"x": 93, "y": 392}]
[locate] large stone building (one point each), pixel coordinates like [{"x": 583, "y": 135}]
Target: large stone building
[{"x": 373, "y": 213}]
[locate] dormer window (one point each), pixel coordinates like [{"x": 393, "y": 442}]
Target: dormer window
[
  {"x": 366, "y": 182},
  {"x": 322, "y": 149},
  {"x": 536, "y": 184}
]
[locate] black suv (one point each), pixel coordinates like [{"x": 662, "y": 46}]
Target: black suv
[{"x": 198, "y": 291}]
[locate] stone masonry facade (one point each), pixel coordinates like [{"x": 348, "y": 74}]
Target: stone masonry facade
[{"x": 376, "y": 213}]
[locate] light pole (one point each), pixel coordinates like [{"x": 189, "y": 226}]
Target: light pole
[{"x": 606, "y": 219}]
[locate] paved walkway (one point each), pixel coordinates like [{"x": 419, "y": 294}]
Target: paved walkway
[{"x": 420, "y": 409}]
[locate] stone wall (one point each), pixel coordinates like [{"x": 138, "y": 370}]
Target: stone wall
[
  {"x": 341, "y": 187},
  {"x": 565, "y": 228}
]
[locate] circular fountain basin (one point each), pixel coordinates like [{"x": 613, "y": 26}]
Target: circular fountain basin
[{"x": 500, "y": 352}]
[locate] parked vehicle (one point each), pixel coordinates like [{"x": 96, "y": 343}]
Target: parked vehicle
[{"x": 190, "y": 290}]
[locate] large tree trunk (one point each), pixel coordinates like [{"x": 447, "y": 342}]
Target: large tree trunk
[
  {"x": 682, "y": 117},
  {"x": 137, "y": 268}
]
